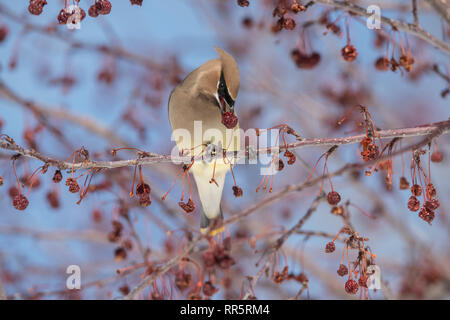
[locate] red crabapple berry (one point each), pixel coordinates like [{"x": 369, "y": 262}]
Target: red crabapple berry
[
  {"x": 229, "y": 120},
  {"x": 333, "y": 198},
  {"x": 3, "y": 34},
  {"x": 237, "y": 191},
  {"x": 330, "y": 247},
  {"x": 73, "y": 185},
  {"x": 436, "y": 156},
  {"x": 416, "y": 190},
  {"x": 63, "y": 16},
  {"x": 188, "y": 207},
  {"x": 93, "y": 12},
  {"x": 209, "y": 289},
  {"x": 351, "y": 286},
  {"x": 280, "y": 165},
  {"x": 362, "y": 281},
  {"x": 288, "y": 154},
  {"x": 57, "y": 177},
  {"x": 136, "y": 2},
  {"x": 431, "y": 191},
  {"x": 20, "y": 202},
  {"x": 103, "y": 6},
  {"x": 289, "y": 24},
  {"x": 426, "y": 215},
  {"x": 35, "y": 7},
  {"x": 243, "y": 3},
  {"x": 183, "y": 280},
  {"x": 404, "y": 184},
  {"x": 382, "y": 64},
  {"x": 296, "y": 8},
  {"x": 349, "y": 53},
  {"x": 342, "y": 271},
  {"x": 413, "y": 203},
  {"x": 432, "y": 204}
]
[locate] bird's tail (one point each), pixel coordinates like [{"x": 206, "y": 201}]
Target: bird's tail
[{"x": 210, "y": 193}]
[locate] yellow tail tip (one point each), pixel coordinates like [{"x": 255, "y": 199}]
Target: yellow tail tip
[{"x": 212, "y": 233}]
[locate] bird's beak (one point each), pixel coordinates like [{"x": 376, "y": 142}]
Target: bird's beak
[{"x": 226, "y": 104}]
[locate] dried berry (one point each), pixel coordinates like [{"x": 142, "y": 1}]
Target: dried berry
[
  {"x": 436, "y": 156},
  {"x": 120, "y": 254},
  {"x": 406, "y": 61},
  {"x": 136, "y": 2},
  {"x": 124, "y": 289},
  {"x": 144, "y": 200},
  {"x": 209, "y": 289},
  {"x": 426, "y": 215},
  {"x": 362, "y": 281},
  {"x": 288, "y": 154},
  {"x": 416, "y": 190},
  {"x": 36, "y": 6},
  {"x": 288, "y": 24},
  {"x": 237, "y": 191},
  {"x": 349, "y": 53},
  {"x": 183, "y": 280},
  {"x": 3, "y": 33},
  {"x": 243, "y": 3},
  {"x": 53, "y": 199},
  {"x": 73, "y": 185},
  {"x": 330, "y": 247},
  {"x": 343, "y": 270},
  {"x": 351, "y": 286},
  {"x": 382, "y": 64},
  {"x": 337, "y": 210},
  {"x": 280, "y": 165},
  {"x": 404, "y": 184},
  {"x": 413, "y": 203},
  {"x": 57, "y": 176},
  {"x": 305, "y": 61},
  {"x": 430, "y": 190},
  {"x": 229, "y": 120},
  {"x": 93, "y": 12},
  {"x": 103, "y": 6},
  {"x": 208, "y": 259},
  {"x": 20, "y": 202},
  {"x": 188, "y": 206},
  {"x": 296, "y": 8},
  {"x": 63, "y": 16},
  {"x": 333, "y": 198},
  {"x": 432, "y": 204}
]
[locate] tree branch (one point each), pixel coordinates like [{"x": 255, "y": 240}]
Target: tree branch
[
  {"x": 153, "y": 158},
  {"x": 400, "y": 25}
]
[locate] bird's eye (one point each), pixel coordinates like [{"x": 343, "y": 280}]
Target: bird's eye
[{"x": 221, "y": 85}]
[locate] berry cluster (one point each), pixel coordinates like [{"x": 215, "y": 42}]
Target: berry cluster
[
  {"x": 359, "y": 268},
  {"x": 277, "y": 164},
  {"x": 282, "y": 12},
  {"x": 219, "y": 256},
  {"x": 419, "y": 177},
  {"x": 405, "y": 61},
  {"x": 76, "y": 14}
]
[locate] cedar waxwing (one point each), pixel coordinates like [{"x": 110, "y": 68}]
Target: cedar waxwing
[{"x": 205, "y": 95}]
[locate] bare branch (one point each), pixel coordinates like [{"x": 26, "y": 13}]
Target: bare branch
[
  {"x": 400, "y": 25},
  {"x": 152, "y": 158}
]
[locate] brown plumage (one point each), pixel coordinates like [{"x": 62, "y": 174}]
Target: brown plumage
[{"x": 203, "y": 96}]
